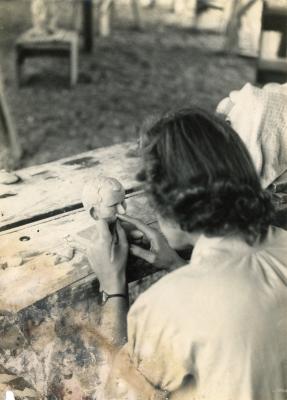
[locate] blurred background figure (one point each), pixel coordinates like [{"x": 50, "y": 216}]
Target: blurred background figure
[{"x": 44, "y": 15}]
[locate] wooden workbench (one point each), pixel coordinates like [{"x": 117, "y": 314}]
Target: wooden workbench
[
  {"x": 40, "y": 216},
  {"x": 45, "y": 290},
  {"x": 48, "y": 296}
]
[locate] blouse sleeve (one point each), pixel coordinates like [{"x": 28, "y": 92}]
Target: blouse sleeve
[{"x": 154, "y": 345}]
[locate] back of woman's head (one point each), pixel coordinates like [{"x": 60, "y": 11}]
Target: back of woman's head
[{"x": 199, "y": 174}]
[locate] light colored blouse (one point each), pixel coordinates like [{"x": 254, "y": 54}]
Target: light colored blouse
[{"x": 216, "y": 329}]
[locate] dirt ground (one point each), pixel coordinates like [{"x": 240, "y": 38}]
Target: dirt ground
[{"x": 128, "y": 76}]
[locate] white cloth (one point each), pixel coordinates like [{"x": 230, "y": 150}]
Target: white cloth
[
  {"x": 216, "y": 329},
  {"x": 259, "y": 116}
]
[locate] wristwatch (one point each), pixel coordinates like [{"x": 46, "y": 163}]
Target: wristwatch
[{"x": 104, "y": 297}]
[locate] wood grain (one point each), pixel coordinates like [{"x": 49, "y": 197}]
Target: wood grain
[{"x": 35, "y": 261}]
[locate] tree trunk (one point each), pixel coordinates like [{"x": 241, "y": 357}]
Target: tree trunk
[{"x": 10, "y": 151}]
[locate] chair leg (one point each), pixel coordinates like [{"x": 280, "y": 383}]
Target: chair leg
[
  {"x": 136, "y": 14},
  {"x": 105, "y": 18},
  {"x": 74, "y": 63},
  {"x": 20, "y": 58}
]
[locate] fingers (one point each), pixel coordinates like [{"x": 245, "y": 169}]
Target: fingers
[
  {"x": 131, "y": 231},
  {"x": 136, "y": 234},
  {"x": 121, "y": 234},
  {"x": 149, "y": 232},
  {"x": 121, "y": 209},
  {"x": 102, "y": 230},
  {"x": 142, "y": 253}
]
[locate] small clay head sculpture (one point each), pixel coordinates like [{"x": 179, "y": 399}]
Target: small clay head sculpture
[{"x": 104, "y": 197}]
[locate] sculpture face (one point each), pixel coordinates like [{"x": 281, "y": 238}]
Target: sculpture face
[{"x": 104, "y": 197}]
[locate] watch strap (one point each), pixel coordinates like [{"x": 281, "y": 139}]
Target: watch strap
[
  {"x": 117, "y": 295},
  {"x": 106, "y": 296}
]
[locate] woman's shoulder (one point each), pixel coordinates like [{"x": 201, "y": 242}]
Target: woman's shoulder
[
  {"x": 230, "y": 250},
  {"x": 220, "y": 268},
  {"x": 162, "y": 291}
]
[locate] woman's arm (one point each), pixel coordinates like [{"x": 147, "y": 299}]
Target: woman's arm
[
  {"x": 107, "y": 254},
  {"x": 160, "y": 254},
  {"x": 108, "y": 260},
  {"x": 114, "y": 321}
]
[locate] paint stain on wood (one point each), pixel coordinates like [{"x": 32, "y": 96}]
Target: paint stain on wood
[
  {"x": 41, "y": 173},
  {"x": 5, "y": 195},
  {"x": 83, "y": 162}
]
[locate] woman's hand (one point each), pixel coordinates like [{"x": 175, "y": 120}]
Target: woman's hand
[
  {"x": 161, "y": 255},
  {"x": 108, "y": 254}
]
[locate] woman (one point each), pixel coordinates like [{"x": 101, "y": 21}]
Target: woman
[{"x": 214, "y": 329}]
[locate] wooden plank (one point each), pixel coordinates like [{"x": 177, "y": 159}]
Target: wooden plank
[
  {"x": 60, "y": 36},
  {"x": 32, "y": 263},
  {"x": 56, "y": 185},
  {"x": 275, "y": 8},
  {"x": 279, "y": 64}
]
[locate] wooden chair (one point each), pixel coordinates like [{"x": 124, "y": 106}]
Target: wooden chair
[{"x": 62, "y": 43}]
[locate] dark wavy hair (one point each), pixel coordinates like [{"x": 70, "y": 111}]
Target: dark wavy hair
[{"x": 198, "y": 173}]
